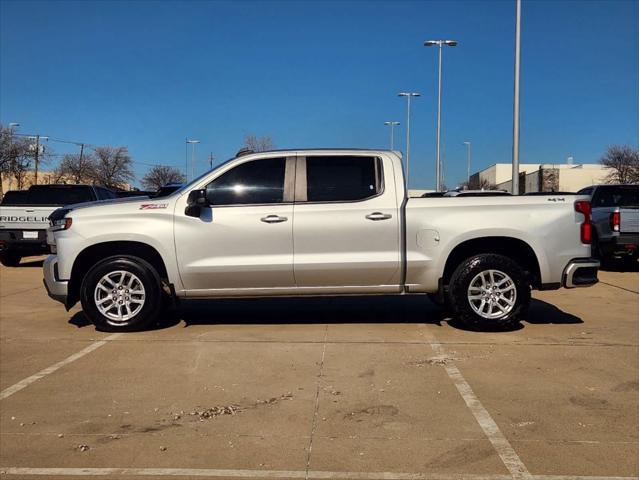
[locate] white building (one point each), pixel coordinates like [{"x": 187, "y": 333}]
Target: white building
[{"x": 543, "y": 177}]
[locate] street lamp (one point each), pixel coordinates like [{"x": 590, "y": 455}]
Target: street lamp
[
  {"x": 440, "y": 44},
  {"x": 515, "y": 177},
  {"x": 193, "y": 143},
  {"x": 408, "y": 96},
  {"x": 392, "y": 125},
  {"x": 467, "y": 143}
]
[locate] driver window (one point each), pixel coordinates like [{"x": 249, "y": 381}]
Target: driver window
[{"x": 255, "y": 182}]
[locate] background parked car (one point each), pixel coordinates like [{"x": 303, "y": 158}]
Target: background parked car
[
  {"x": 476, "y": 193},
  {"x": 24, "y": 216},
  {"x": 167, "y": 190},
  {"x": 615, "y": 218}
]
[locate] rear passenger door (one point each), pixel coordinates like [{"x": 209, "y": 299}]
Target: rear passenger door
[{"x": 346, "y": 229}]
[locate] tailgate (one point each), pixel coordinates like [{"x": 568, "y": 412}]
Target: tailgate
[
  {"x": 25, "y": 218},
  {"x": 629, "y": 220}
]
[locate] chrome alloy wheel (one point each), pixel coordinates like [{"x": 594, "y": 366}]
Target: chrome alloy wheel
[
  {"x": 492, "y": 294},
  {"x": 119, "y": 296}
]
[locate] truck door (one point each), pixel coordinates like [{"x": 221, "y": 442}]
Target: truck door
[
  {"x": 346, "y": 231},
  {"x": 245, "y": 239}
]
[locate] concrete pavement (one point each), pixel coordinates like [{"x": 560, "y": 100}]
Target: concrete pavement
[{"x": 323, "y": 388}]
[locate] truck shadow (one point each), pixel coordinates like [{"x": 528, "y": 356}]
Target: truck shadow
[{"x": 352, "y": 309}]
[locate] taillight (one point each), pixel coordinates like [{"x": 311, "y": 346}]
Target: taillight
[
  {"x": 583, "y": 207},
  {"x": 61, "y": 224},
  {"x": 615, "y": 221}
]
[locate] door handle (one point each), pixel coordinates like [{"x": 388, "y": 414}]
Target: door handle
[
  {"x": 376, "y": 216},
  {"x": 273, "y": 219}
]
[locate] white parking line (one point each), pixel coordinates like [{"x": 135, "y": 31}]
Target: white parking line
[
  {"x": 7, "y": 392},
  {"x": 317, "y": 475},
  {"x": 505, "y": 451}
]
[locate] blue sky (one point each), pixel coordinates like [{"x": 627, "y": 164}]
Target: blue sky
[{"x": 147, "y": 74}]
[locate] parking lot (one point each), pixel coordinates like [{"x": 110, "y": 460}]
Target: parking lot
[{"x": 362, "y": 388}]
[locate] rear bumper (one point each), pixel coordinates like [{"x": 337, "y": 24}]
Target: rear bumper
[
  {"x": 580, "y": 272},
  {"x": 56, "y": 288},
  {"x": 623, "y": 244},
  {"x": 13, "y": 241}
]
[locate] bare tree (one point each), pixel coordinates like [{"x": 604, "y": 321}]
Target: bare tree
[
  {"x": 261, "y": 144},
  {"x": 160, "y": 175},
  {"x": 16, "y": 156},
  {"x": 623, "y": 163},
  {"x": 77, "y": 169},
  {"x": 114, "y": 166}
]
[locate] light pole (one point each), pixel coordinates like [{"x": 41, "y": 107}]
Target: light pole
[
  {"x": 467, "y": 143},
  {"x": 193, "y": 143},
  {"x": 392, "y": 125},
  {"x": 440, "y": 44},
  {"x": 408, "y": 96},
  {"x": 515, "y": 180}
]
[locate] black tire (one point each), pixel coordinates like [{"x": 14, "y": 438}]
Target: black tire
[
  {"x": 10, "y": 259},
  {"x": 467, "y": 272},
  {"x": 145, "y": 316}
]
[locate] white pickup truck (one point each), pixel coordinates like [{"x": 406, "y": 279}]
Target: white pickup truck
[
  {"x": 316, "y": 222},
  {"x": 24, "y": 216}
]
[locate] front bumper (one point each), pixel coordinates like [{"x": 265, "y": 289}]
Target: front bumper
[
  {"x": 581, "y": 272},
  {"x": 56, "y": 288}
]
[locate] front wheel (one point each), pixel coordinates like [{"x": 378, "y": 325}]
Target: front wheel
[
  {"x": 122, "y": 293},
  {"x": 489, "y": 291}
]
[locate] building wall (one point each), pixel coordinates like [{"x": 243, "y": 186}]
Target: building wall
[
  {"x": 561, "y": 177},
  {"x": 44, "y": 178},
  {"x": 10, "y": 183},
  {"x": 574, "y": 179},
  {"x": 502, "y": 172}
]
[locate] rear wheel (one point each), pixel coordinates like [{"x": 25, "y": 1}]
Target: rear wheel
[
  {"x": 122, "y": 293},
  {"x": 10, "y": 259},
  {"x": 489, "y": 291}
]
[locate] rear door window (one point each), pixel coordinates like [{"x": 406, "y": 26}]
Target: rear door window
[{"x": 342, "y": 178}]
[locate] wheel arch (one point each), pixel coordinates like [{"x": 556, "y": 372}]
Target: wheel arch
[
  {"x": 99, "y": 251},
  {"x": 514, "y": 248}
]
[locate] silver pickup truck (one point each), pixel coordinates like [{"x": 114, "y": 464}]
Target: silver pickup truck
[
  {"x": 615, "y": 218},
  {"x": 316, "y": 222}
]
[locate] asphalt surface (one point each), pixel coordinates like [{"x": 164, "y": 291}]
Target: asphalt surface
[{"x": 357, "y": 387}]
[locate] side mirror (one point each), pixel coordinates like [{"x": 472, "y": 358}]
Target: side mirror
[{"x": 194, "y": 203}]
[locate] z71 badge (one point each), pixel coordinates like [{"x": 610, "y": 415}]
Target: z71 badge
[{"x": 153, "y": 206}]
